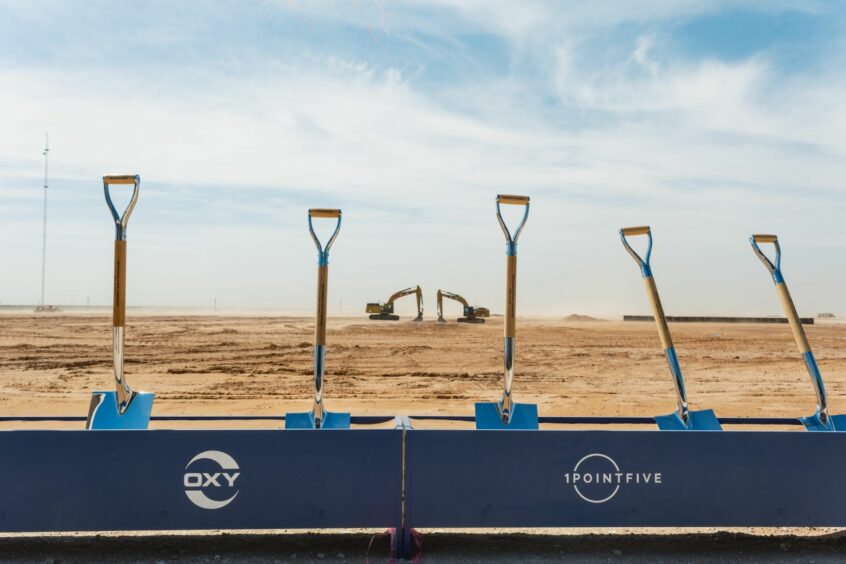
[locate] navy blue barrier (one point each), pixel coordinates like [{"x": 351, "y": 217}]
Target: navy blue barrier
[
  {"x": 199, "y": 479},
  {"x": 284, "y": 479},
  {"x": 597, "y": 478}
]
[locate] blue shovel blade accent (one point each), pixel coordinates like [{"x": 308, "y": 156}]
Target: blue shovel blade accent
[
  {"x": 704, "y": 420},
  {"x": 104, "y": 412},
  {"x": 813, "y": 423},
  {"x": 523, "y": 417},
  {"x": 306, "y": 420}
]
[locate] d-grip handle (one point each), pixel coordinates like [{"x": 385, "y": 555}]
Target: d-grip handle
[
  {"x": 642, "y": 261},
  {"x": 773, "y": 266},
  {"x": 324, "y": 212},
  {"x": 323, "y": 251},
  {"x": 120, "y": 179},
  {"x": 121, "y": 219},
  {"x": 511, "y": 240},
  {"x": 630, "y": 231},
  {"x": 510, "y": 199}
]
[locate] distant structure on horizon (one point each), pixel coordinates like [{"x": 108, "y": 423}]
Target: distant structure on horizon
[{"x": 41, "y": 305}]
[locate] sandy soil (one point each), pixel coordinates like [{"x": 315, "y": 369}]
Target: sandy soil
[
  {"x": 199, "y": 365},
  {"x": 49, "y": 364}
]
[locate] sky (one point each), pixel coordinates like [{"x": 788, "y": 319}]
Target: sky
[{"x": 707, "y": 120}]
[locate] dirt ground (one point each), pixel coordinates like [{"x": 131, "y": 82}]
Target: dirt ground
[
  {"x": 50, "y": 364},
  {"x": 203, "y": 364}
]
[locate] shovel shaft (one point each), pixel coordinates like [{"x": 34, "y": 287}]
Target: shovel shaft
[
  {"x": 510, "y": 326},
  {"x": 119, "y": 300},
  {"x": 322, "y": 299},
  {"x": 507, "y": 401},
  {"x": 793, "y": 318},
  {"x": 804, "y": 348},
  {"x": 658, "y": 315},
  {"x": 658, "y": 312},
  {"x": 320, "y": 342},
  {"x": 124, "y": 392},
  {"x": 317, "y": 409},
  {"x": 667, "y": 345},
  {"x": 510, "y": 295},
  {"x": 678, "y": 382},
  {"x": 510, "y": 330},
  {"x": 774, "y": 268}
]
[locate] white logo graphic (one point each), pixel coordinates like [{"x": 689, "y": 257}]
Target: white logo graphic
[
  {"x": 597, "y": 478},
  {"x": 196, "y": 483}
]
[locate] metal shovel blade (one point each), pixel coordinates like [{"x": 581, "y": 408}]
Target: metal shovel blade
[
  {"x": 814, "y": 423},
  {"x": 331, "y": 420},
  {"x": 704, "y": 420},
  {"x": 524, "y": 416},
  {"x": 104, "y": 414}
]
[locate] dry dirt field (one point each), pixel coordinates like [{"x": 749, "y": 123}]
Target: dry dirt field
[
  {"x": 50, "y": 364},
  {"x": 202, "y": 364}
]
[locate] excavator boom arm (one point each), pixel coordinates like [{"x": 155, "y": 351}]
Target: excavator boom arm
[
  {"x": 388, "y": 306},
  {"x": 407, "y": 292}
]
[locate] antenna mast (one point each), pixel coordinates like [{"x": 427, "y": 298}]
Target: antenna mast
[{"x": 44, "y": 233}]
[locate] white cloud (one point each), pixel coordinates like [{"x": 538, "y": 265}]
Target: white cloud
[{"x": 705, "y": 150}]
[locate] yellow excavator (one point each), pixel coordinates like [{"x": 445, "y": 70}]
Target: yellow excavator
[
  {"x": 472, "y": 314},
  {"x": 385, "y": 311}
]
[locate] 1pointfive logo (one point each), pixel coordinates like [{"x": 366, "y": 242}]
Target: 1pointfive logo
[
  {"x": 221, "y": 480},
  {"x": 597, "y": 478}
]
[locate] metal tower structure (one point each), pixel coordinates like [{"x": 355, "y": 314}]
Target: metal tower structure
[{"x": 46, "y": 152}]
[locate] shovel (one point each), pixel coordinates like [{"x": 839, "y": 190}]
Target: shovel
[
  {"x": 318, "y": 417},
  {"x": 124, "y": 408},
  {"x": 683, "y": 419},
  {"x": 506, "y": 414},
  {"x": 820, "y": 420}
]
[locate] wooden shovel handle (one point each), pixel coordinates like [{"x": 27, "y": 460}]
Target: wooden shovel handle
[
  {"x": 658, "y": 312},
  {"x": 322, "y": 298},
  {"x": 510, "y": 295},
  {"x": 119, "y": 302}
]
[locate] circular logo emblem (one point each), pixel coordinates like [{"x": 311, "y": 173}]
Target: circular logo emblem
[
  {"x": 215, "y": 488},
  {"x": 591, "y": 486}
]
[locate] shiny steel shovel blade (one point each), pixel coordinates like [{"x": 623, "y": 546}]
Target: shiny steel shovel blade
[
  {"x": 103, "y": 413},
  {"x": 524, "y": 416},
  {"x": 813, "y": 423},
  {"x": 704, "y": 420},
  {"x": 306, "y": 420}
]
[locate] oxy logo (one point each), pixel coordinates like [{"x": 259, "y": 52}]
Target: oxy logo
[
  {"x": 219, "y": 481},
  {"x": 597, "y": 478}
]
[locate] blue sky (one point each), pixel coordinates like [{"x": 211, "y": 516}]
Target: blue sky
[{"x": 707, "y": 120}]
